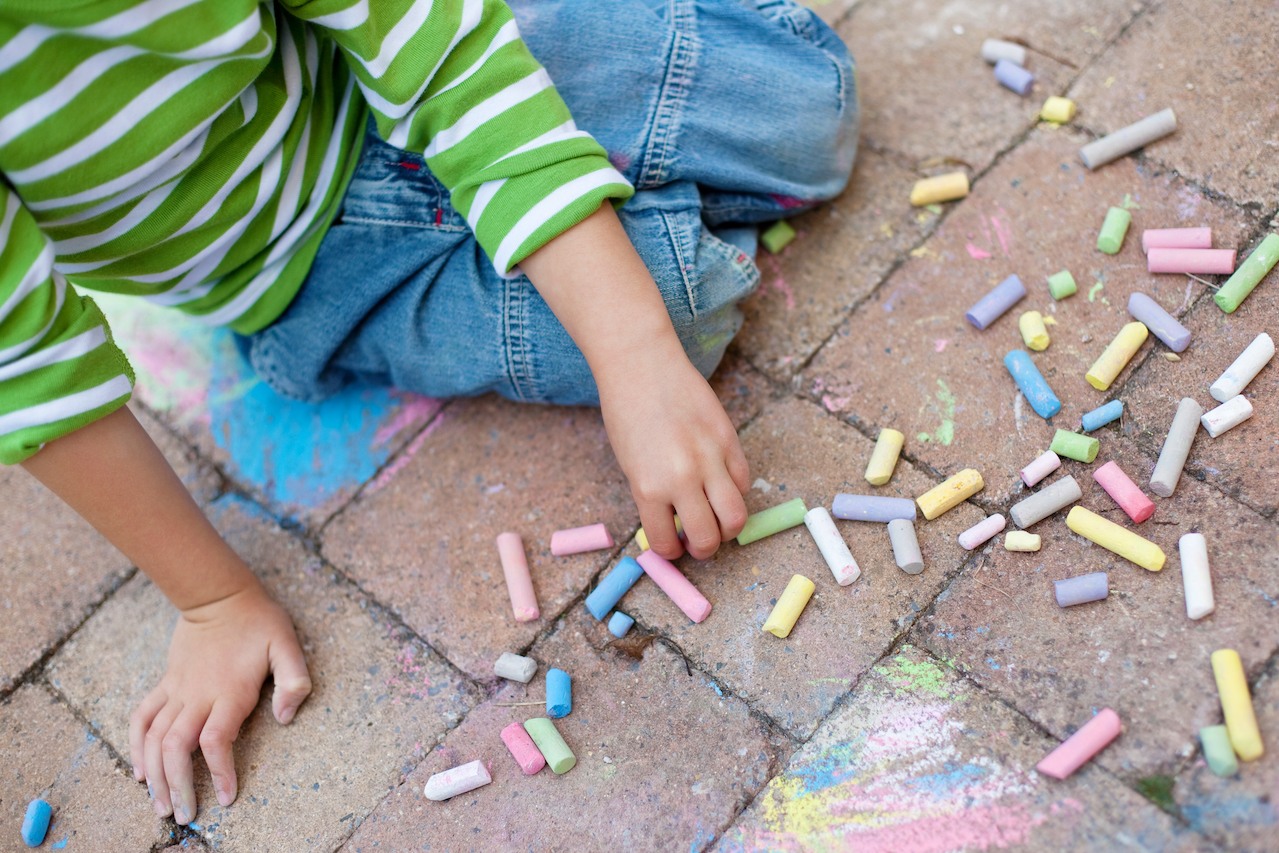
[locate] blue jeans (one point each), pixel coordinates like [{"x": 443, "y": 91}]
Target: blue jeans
[{"x": 718, "y": 111}]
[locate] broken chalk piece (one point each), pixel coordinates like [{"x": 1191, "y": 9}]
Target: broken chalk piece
[
  {"x": 1062, "y": 284},
  {"x": 993, "y": 50},
  {"x": 1111, "y": 237},
  {"x": 593, "y": 537},
  {"x": 1176, "y": 238},
  {"x": 1091, "y": 738},
  {"x": 1249, "y": 275},
  {"x": 36, "y": 822},
  {"x": 1128, "y": 139},
  {"x": 1236, "y": 704},
  {"x": 792, "y": 603},
  {"x": 906, "y": 553},
  {"x": 613, "y": 586},
  {"x": 1041, "y": 467},
  {"x": 1160, "y": 323},
  {"x": 944, "y": 497},
  {"x": 831, "y": 544},
  {"x": 619, "y": 623},
  {"x": 778, "y": 236},
  {"x": 888, "y": 446},
  {"x": 1172, "y": 457},
  {"x": 1032, "y": 384},
  {"x": 1227, "y": 416},
  {"x": 1058, "y": 109},
  {"x": 1072, "y": 445},
  {"x": 515, "y": 667},
  {"x": 559, "y": 693},
  {"x": 1081, "y": 590},
  {"x": 1014, "y": 77},
  {"x": 675, "y": 585},
  {"x": 991, "y": 306},
  {"x": 1124, "y": 491},
  {"x": 641, "y": 539},
  {"x": 1195, "y": 577},
  {"x": 1196, "y": 261},
  {"x": 1218, "y": 752},
  {"x": 1046, "y": 501},
  {"x": 1020, "y": 540},
  {"x": 457, "y": 780},
  {"x": 946, "y": 187},
  {"x": 519, "y": 583},
  {"x": 872, "y": 508},
  {"x": 980, "y": 533},
  {"x": 522, "y": 748},
  {"x": 1243, "y": 369},
  {"x": 1117, "y": 355},
  {"x": 1102, "y": 415},
  {"x": 553, "y": 748},
  {"x": 1116, "y": 539},
  {"x": 1033, "y": 331},
  {"x": 772, "y": 520}
]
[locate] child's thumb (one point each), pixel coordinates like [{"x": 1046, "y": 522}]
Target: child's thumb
[{"x": 292, "y": 682}]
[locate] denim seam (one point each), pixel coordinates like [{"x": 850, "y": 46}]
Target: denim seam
[
  {"x": 682, "y": 261},
  {"x": 675, "y": 88},
  {"x": 407, "y": 223},
  {"x": 517, "y": 362}
]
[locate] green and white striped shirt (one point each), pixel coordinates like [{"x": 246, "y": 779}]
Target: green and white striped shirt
[{"x": 194, "y": 152}]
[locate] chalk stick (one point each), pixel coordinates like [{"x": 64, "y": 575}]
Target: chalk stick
[
  {"x": 1124, "y": 491},
  {"x": 1062, "y": 284},
  {"x": 1014, "y": 77},
  {"x": 1160, "y": 323},
  {"x": 519, "y": 583},
  {"x": 515, "y": 667},
  {"x": 675, "y": 585},
  {"x": 777, "y": 236},
  {"x": 872, "y": 508},
  {"x": 993, "y": 50},
  {"x": 1176, "y": 238},
  {"x": 1041, "y": 467},
  {"x": 1058, "y": 109},
  {"x": 772, "y": 520},
  {"x": 594, "y": 537},
  {"x": 1196, "y": 579},
  {"x": 1243, "y": 369},
  {"x": 888, "y": 446},
  {"x": 1128, "y": 139},
  {"x": 906, "y": 553},
  {"x": 641, "y": 538},
  {"x": 1117, "y": 355},
  {"x": 559, "y": 693},
  {"x": 1102, "y": 415},
  {"x": 1082, "y": 589},
  {"x": 1072, "y": 445},
  {"x": 457, "y": 780},
  {"x": 834, "y": 551},
  {"x": 613, "y": 586},
  {"x": 792, "y": 603},
  {"x": 522, "y": 749},
  {"x": 1195, "y": 261},
  {"x": 944, "y": 497},
  {"x": 35, "y": 823},
  {"x": 1172, "y": 457},
  {"x": 1043, "y": 503},
  {"x": 1077, "y": 749},
  {"x": 1020, "y": 540},
  {"x": 1248, "y": 275},
  {"x": 1236, "y": 704},
  {"x": 1116, "y": 539},
  {"x": 1111, "y": 237},
  {"x": 980, "y": 533},
  {"x": 1227, "y": 416},
  {"x": 552, "y": 746},
  {"x": 619, "y": 623},
  {"x": 1032, "y": 384},
  {"x": 946, "y": 187},
  {"x": 1218, "y": 752},
  {"x": 1034, "y": 334},
  {"x": 991, "y": 306}
]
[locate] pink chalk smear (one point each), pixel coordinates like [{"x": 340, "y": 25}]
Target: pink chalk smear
[
  {"x": 1091, "y": 738},
  {"x": 976, "y": 252},
  {"x": 388, "y": 473},
  {"x": 675, "y": 585},
  {"x": 940, "y": 344},
  {"x": 593, "y": 537},
  {"x": 416, "y": 409},
  {"x": 519, "y": 583}
]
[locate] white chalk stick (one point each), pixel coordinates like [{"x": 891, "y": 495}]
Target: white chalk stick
[
  {"x": 1172, "y": 458},
  {"x": 831, "y": 544},
  {"x": 1227, "y": 416},
  {"x": 1243, "y": 369},
  {"x": 1043, "y": 465},
  {"x": 457, "y": 780},
  {"x": 1195, "y": 576},
  {"x": 1128, "y": 139},
  {"x": 980, "y": 533},
  {"x": 993, "y": 50},
  {"x": 515, "y": 668}
]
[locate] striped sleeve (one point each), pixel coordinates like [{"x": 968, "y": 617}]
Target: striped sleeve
[
  {"x": 452, "y": 80},
  {"x": 59, "y": 368}
]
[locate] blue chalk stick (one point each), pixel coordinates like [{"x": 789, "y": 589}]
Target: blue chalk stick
[
  {"x": 989, "y": 308},
  {"x": 1032, "y": 384},
  {"x": 619, "y": 624},
  {"x": 872, "y": 508},
  {"x": 1103, "y": 415},
  {"x": 1160, "y": 323},
  {"x": 559, "y": 694},
  {"x": 36, "y": 822},
  {"x": 1014, "y": 76},
  {"x": 613, "y": 586},
  {"x": 1081, "y": 590}
]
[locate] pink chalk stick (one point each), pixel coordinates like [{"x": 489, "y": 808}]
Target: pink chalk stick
[
  {"x": 675, "y": 585},
  {"x": 523, "y": 750},
  {"x": 1043, "y": 465},
  {"x": 1124, "y": 491},
  {"x": 593, "y": 537},
  {"x": 1203, "y": 261},
  {"x": 1176, "y": 238},
  {"x": 1091, "y": 738},
  {"x": 519, "y": 583}
]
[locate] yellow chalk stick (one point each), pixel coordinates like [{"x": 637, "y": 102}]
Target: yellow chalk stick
[
  {"x": 950, "y": 494},
  {"x": 1117, "y": 355},
  {"x": 882, "y": 462},
  {"x": 1236, "y": 704},
  {"x": 642, "y": 540},
  {"x": 789, "y": 606},
  {"x": 1060, "y": 110},
  {"x": 940, "y": 188},
  {"x": 1033, "y": 331},
  {"x": 1114, "y": 538},
  {"x": 1020, "y": 540}
]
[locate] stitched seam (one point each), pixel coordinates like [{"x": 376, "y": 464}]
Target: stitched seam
[
  {"x": 682, "y": 261},
  {"x": 408, "y": 223},
  {"x": 516, "y": 346},
  {"x": 679, "y": 74}
]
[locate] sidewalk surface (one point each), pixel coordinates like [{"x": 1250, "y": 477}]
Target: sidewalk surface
[{"x": 904, "y": 714}]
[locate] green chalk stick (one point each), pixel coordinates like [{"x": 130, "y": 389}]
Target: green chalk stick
[
  {"x": 772, "y": 520},
  {"x": 1062, "y": 285},
  {"x": 1249, "y": 274},
  {"x": 556, "y": 752},
  {"x": 1218, "y": 752},
  {"x": 1075, "y": 446},
  {"x": 776, "y": 238},
  {"x": 1113, "y": 230}
]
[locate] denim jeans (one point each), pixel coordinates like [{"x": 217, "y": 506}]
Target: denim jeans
[{"x": 718, "y": 111}]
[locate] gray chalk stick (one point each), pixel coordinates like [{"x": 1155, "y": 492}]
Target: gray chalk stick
[
  {"x": 1045, "y": 502},
  {"x": 905, "y": 546},
  {"x": 1081, "y": 590},
  {"x": 1172, "y": 458},
  {"x": 1160, "y": 323},
  {"x": 1128, "y": 139}
]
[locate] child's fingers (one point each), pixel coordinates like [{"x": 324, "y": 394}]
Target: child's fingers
[
  {"x": 735, "y": 462},
  {"x": 292, "y": 681},
  {"x": 179, "y": 742},
  {"x": 701, "y": 529},
  {"x": 139, "y": 723},
  {"x": 153, "y": 759},
  {"x": 659, "y": 529},
  {"x": 726, "y": 501},
  {"x": 216, "y": 737}
]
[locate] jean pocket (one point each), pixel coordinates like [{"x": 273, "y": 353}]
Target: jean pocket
[{"x": 395, "y": 187}]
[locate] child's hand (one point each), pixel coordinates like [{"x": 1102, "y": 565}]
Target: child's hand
[{"x": 220, "y": 655}]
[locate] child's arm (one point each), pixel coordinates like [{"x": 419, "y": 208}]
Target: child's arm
[
  {"x": 230, "y": 634},
  {"x": 674, "y": 442}
]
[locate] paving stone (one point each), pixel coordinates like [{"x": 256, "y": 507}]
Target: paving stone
[
  {"x": 1227, "y": 125},
  {"x": 798, "y": 451},
  {"x": 664, "y": 761},
  {"x": 1137, "y": 651},
  {"x": 921, "y": 761},
  {"x": 830, "y": 11},
  {"x": 45, "y": 752},
  {"x": 907, "y": 359},
  {"x": 425, "y": 543},
  {"x": 380, "y": 698},
  {"x": 741, "y": 389},
  {"x": 1242, "y": 812}
]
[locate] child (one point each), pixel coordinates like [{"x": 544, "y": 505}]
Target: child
[{"x": 212, "y": 155}]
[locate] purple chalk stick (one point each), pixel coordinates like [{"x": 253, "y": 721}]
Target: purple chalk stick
[
  {"x": 1160, "y": 323},
  {"x": 872, "y": 508},
  {"x": 1081, "y": 590},
  {"x": 1014, "y": 76},
  {"x": 995, "y": 303}
]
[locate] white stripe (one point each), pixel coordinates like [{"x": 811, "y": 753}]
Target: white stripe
[
  {"x": 547, "y": 208},
  {"x": 66, "y": 407},
  {"x": 483, "y": 196},
  {"x": 288, "y": 206},
  {"x": 135, "y": 217},
  {"x": 11, "y": 205},
  {"x": 398, "y": 36},
  {"x": 567, "y": 130},
  {"x": 82, "y": 343},
  {"x": 509, "y": 32},
  {"x": 488, "y": 109},
  {"x": 180, "y": 297},
  {"x": 249, "y": 103},
  {"x": 36, "y": 275},
  {"x": 347, "y": 19},
  {"x": 59, "y": 296}
]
